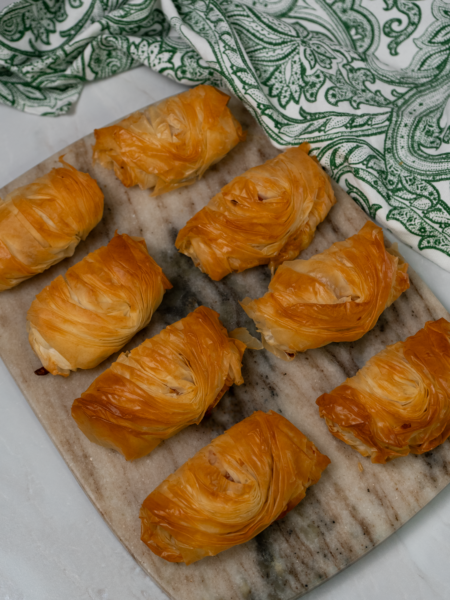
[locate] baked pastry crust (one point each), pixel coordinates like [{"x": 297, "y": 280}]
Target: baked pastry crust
[
  {"x": 43, "y": 222},
  {"x": 167, "y": 383},
  {"x": 231, "y": 490},
  {"x": 399, "y": 402},
  {"x": 267, "y": 215},
  {"x": 86, "y": 315},
  {"x": 170, "y": 144},
  {"x": 335, "y": 296}
]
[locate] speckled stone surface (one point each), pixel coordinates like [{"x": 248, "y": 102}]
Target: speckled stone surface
[{"x": 346, "y": 514}]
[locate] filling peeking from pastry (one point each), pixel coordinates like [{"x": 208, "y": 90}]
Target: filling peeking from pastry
[
  {"x": 231, "y": 490},
  {"x": 170, "y": 144},
  {"x": 43, "y": 222},
  {"x": 86, "y": 315},
  {"x": 335, "y": 296},
  {"x": 399, "y": 402},
  {"x": 267, "y": 215},
  {"x": 167, "y": 383}
]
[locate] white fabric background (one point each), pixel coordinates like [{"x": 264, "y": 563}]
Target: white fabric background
[{"x": 53, "y": 543}]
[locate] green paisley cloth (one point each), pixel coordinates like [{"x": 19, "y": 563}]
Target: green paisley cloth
[{"x": 366, "y": 82}]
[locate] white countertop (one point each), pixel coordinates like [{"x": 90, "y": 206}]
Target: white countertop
[{"x": 53, "y": 543}]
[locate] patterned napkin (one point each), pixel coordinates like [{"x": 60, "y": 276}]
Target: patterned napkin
[{"x": 366, "y": 82}]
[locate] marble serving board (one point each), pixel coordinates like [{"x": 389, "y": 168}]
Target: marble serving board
[{"x": 354, "y": 507}]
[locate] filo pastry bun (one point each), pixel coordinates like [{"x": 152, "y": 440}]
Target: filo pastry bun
[
  {"x": 86, "y": 315},
  {"x": 170, "y": 144},
  {"x": 399, "y": 402},
  {"x": 267, "y": 215},
  {"x": 43, "y": 222},
  {"x": 164, "y": 385},
  {"x": 231, "y": 490},
  {"x": 335, "y": 296}
]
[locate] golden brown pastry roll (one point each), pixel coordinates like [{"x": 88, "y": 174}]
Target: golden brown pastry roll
[
  {"x": 167, "y": 383},
  {"x": 86, "y": 315},
  {"x": 265, "y": 216},
  {"x": 399, "y": 402},
  {"x": 172, "y": 143},
  {"x": 231, "y": 490},
  {"x": 42, "y": 223},
  {"x": 335, "y": 296}
]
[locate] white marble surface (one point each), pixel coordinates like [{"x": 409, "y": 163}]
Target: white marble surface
[{"x": 54, "y": 544}]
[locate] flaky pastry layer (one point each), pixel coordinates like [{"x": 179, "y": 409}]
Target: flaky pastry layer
[
  {"x": 335, "y": 296},
  {"x": 43, "y": 222},
  {"x": 86, "y": 315},
  {"x": 167, "y": 383},
  {"x": 170, "y": 144},
  {"x": 231, "y": 490},
  {"x": 399, "y": 402},
  {"x": 267, "y": 215}
]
